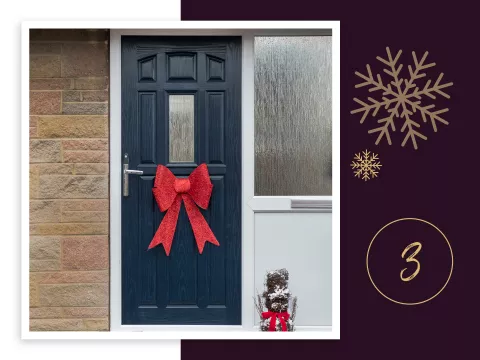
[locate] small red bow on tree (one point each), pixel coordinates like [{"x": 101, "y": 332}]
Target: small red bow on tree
[
  {"x": 169, "y": 192},
  {"x": 283, "y": 316}
]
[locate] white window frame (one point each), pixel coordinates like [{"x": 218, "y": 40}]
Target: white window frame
[{"x": 250, "y": 203}]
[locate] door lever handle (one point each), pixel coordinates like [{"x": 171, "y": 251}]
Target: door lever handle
[
  {"x": 133, "y": 172},
  {"x": 126, "y": 172}
]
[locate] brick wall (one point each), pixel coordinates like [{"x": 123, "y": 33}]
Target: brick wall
[{"x": 69, "y": 255}]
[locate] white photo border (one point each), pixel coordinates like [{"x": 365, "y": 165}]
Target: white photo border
[{"x": 180, "y": 332}]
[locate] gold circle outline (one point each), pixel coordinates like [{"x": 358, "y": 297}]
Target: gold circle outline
[{"x": 419, "y": 302}]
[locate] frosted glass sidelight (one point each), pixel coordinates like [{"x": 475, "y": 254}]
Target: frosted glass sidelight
[
  {"x": 293, "y": 115},
  {"x": 181, "y": 128}
]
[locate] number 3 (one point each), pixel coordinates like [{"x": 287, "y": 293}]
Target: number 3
[{"x": 411, "y": 258}]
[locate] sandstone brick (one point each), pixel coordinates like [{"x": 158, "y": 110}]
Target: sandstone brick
[
  {"x": 44, "y": 265},
  {"x": 46, "y": 313},
  {"x": 34, "y": 181},
  {"x": 45, "y": 102},
  {"x": 95, "y": 96},
  {"x": 91, "y": 83},
  {"x": 42, "y": 151},
  {"x": 84, "y": 59},
  {"x": 85, "y": 253},
  {"x": 33, "y": 291},
  {"x": 76, "y": 126},
  {"x": 33, "y": 120},
  {"x": 85, "y": 144},
  {"x": 85, "y": 216},
  {"x": 96, "y": 324},
  {"x": 45, "y": 48},
  {"x": 85, "y": 205},
  {"x": 73, "y": 187},
  {"x": 45, "y": 66},
  {"x": 85, "y": 96},
  {"x": 85, "y": 312},
  {"x": 32, "y": 132},
  {"x": 85, "y": 108},
  {"x": 56, "y": 325},
  {"x": 43, "y": 211},
  {"x": 73, "y": 295},
  {"x": 69, "y": 229},
  {"x": 91, "y": 169},
  {"x": 72, "y": 96},
  {"x": 51, "y": 84},
  {"x": 44, "y": 248},
  {"x": 72, "y": 277},
  {"x": 89, "y": 156},
  {"x": 53, "y": 169},
  {"x": 68, "y": 35}
]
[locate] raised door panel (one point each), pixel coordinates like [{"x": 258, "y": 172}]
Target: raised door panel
[
  {"x": 181, "y": 66},
  {"x": 215, "y": 67},
  {"x": 147, "y": 69},
  {"x": 147, "y": 102}
]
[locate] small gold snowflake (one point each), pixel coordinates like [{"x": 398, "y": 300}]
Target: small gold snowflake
[{"x": 366, "y": 165}]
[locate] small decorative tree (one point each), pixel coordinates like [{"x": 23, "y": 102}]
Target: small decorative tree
[{"x": 276, "y": 299}]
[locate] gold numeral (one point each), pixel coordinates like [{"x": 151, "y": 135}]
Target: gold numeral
[{"x": 411, "y": 258}]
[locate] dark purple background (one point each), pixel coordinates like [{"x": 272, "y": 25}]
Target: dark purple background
[{"x": 438, "y": 182}]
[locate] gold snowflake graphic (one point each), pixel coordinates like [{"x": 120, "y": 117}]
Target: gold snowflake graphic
[
  {"x": 366, "y": 165},
  {"x": 401, "y": 97}
]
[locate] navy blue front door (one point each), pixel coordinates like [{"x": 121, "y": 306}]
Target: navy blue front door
[{"x": 181, "y": 108}]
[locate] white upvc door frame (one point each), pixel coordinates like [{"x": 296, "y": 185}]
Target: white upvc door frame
[{"x": 250, "y": 203}]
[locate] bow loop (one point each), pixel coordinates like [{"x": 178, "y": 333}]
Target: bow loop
[
  {"x": 164, "y": 188},
  {"x": 200, "y": 186},
  {"x": 169, "y": 192}
]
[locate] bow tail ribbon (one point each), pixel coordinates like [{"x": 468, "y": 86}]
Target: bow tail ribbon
[
  {"x": 201, "y": 230},
  {"x": 283, "y": 316},
  {"x": 166, "y": 230}
]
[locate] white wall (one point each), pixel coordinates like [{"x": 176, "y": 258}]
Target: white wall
[{"x": 301, "y": 243}]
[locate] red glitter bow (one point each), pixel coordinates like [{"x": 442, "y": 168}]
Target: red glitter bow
[
  {"x": 283, "y": 316},
  {"x": 169, "y": 192}
]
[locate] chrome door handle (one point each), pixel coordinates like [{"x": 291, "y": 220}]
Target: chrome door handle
[
  {"x": 126, "y": 172},
  {"x": 132, "y": 172}
]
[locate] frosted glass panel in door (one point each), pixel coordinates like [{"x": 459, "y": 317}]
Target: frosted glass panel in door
[
  {"x": 181, "y": 128},
  {"x": 293, "y": 115}
]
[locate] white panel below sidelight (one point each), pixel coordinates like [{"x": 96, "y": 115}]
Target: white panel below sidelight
[{"x": 301, "y": 243}]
